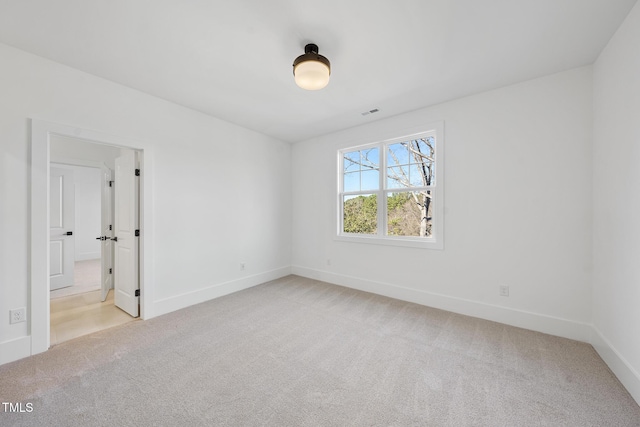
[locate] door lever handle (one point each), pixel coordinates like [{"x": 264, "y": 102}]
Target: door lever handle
[
  {"x": 115, "y": 239},
  {"x": 100, "y": 238}
]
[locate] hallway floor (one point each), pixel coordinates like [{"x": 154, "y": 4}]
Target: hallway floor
[
  {"x": 86, "y": 278},
  {"x": 77, "y": 315}
]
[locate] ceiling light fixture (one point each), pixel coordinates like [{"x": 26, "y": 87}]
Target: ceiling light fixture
[{"x": 311, "y": 70}]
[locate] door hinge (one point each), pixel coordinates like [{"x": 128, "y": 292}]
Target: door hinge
[
  {"x": 110, "y": 183},
  {"x": 137, "y": 172},
  {"x": 111, "y": 271},
  {"x": 137, "y": 294},
  {"x": 137, "y": 233}
]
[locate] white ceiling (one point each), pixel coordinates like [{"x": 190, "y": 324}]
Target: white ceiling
[{"x": 232, "y": 59}]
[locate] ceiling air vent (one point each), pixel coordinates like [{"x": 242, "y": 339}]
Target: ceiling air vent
[{"x": 375, "y": 110}]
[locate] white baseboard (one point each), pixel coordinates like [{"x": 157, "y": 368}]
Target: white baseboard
[
  {"x": 15, "y": 349},
  {"x": 627, "y": 375},
  {"x": 178, "y": 302},
  {"x": 523, "y": 319}
]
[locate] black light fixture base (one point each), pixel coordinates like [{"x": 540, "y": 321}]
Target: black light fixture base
[
  {"x": 311, "y": 48},
  {"x": 311, "y": 54}
]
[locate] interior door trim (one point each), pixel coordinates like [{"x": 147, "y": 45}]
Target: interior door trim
[{"x": 38, "y": 315}]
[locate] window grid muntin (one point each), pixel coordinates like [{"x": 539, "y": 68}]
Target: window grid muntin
[
  {"x": 382, "y": 192},
  {"x": 363, "y": 170}
]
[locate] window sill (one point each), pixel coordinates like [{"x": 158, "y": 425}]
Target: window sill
[{"x": 390, "y": 241}]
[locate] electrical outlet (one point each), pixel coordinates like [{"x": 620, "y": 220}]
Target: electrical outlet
[
  {"x": 18, "y": 315},
  {"x": 242, "y": 266},
  {"x": 504, "y": 290}
]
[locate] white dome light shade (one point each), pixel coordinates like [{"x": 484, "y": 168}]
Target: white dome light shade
[
  {"x": 311, "y": 75},
  {"x": 311, "y": 70}
]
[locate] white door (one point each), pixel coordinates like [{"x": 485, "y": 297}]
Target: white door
[
  {"x": 106, "y": 249},
  {"x": 62, "y": 224},
  {"x": 125, "y": 268}
]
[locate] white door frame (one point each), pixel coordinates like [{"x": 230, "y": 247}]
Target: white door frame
[
  {"x": 39, "y": 314},
  {"x": 106, "y": 230}
]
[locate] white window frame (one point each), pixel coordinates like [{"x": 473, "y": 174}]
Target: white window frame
[{"x": 436, "y": 240}]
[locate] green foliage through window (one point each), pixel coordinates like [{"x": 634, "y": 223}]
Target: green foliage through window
[{"x": 361, "y": 214}]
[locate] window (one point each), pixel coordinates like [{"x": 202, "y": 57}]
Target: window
[{"x": 389, "y": 193}]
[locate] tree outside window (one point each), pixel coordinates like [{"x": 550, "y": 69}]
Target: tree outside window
[{"x": 389, "y": 189}]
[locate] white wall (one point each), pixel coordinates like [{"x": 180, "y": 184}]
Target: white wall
[
  {"x": 616, "y": 203},
  {"x": 517, "y": 209},
  {"x": 88, "y": 212},
  {"x": 79, "y": 151},
  {"x": 221, "y": 193}
]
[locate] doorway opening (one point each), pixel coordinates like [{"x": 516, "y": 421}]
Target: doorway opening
[
  {"x": 119, "y": 236},
  {"x": 81, "y": 296}
]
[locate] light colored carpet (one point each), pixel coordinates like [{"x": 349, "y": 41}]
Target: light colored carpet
[
  {"x": 297, "y": 352},
  {"x": 86, "y": 278}
]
